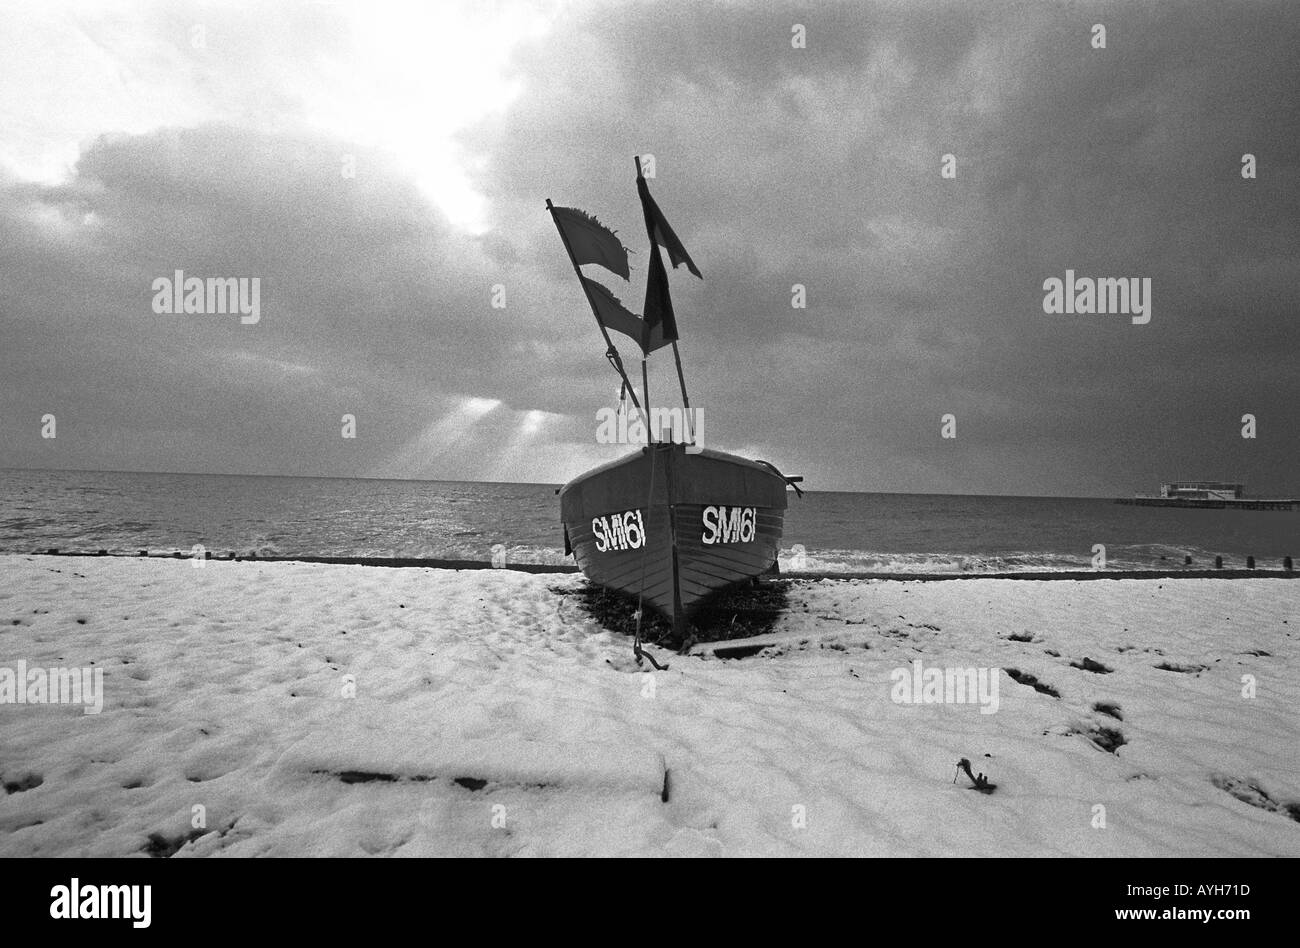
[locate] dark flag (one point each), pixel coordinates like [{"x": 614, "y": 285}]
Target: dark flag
[
  {"x": 614, "y": 315},
  {"x": 660, "y": 233},
  {"x": 659, "y": 317},
  {"x": 658, "y": 304},
  {"x": 590, "y": 241}
]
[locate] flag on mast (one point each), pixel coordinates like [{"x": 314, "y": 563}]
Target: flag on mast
[
  {"x": 614, "y": 315},
  {"x": 591, "y": 241},
  {"x": 659, "y": 316},
  {"x": 660, "y": 232}
]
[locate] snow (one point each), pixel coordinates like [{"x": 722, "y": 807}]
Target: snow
[{"x": 492, "y": 717}]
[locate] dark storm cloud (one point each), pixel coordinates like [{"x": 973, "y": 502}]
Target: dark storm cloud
[
  {"x": 820, "y": 166},
  {"x": 776, "y": 166},
  {"x": 371, "y": 305}
]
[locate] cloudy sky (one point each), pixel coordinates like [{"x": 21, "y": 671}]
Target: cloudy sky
[{"x": 380, "y": 167}]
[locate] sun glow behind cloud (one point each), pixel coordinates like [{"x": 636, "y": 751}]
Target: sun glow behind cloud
[
  {"x": 401, "y": 76},
  {"x": 72, "y": 72},
  {"x": 415, "y": 75}
]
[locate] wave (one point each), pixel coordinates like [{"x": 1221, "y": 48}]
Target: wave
[
  {"x": 793, "y": 560},
  {"x": 1123, "y": 558}
]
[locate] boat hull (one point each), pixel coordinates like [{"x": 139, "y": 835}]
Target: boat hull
[{"x": 672, "y": 526}]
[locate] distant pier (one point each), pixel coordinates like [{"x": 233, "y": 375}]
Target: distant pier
[
  {"x": 1245, "y": 503},
  {"x": 1208, "y": 495}
]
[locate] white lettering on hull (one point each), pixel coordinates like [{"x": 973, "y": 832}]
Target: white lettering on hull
[
  {"x": 625, "y": 531},
  {"x": 728, "y": 524}
]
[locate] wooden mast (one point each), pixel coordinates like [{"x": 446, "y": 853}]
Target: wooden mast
[
  {"x": 686, "y": 402},
  {"x": 679, "y": 614}
]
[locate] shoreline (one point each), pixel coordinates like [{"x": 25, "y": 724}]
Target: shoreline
[{"x": 408, "y": 562}]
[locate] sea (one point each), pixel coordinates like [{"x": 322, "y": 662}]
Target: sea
[{"x": 126, "y": 513}]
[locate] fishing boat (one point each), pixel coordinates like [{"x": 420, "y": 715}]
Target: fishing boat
[{"x": 673, "y": 521}]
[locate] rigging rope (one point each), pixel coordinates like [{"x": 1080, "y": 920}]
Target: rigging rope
[
  {"x": 791, "y": 481},
  {"x": 645, "y": 549},
  {"x": 617, "y": 362}
]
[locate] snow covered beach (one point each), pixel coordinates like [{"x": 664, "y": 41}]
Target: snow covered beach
[{"x": 306, "y": 709}]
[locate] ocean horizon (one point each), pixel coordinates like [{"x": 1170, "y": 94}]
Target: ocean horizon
[
  {"x": 452, "y": 480},
  {"x": 827, "y": 531}
]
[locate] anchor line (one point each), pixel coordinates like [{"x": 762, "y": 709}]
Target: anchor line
[{"x": 645, "y": 549}]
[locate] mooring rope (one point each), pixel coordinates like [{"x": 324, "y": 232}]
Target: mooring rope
[
  {"x": 617, "y": 362},
  {"x": 645, "y": 549}
]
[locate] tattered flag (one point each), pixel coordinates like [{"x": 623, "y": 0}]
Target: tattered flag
[
  {"x": 590, "y": 241},
  {"x": 614, "y": 315},
  {"x": 661, "y": 233}
]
